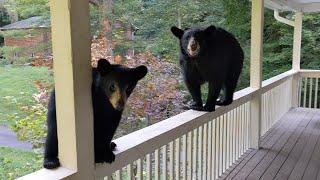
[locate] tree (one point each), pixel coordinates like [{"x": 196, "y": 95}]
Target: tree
[
  {"x": 28, "y": 8},
  {"x": 4, "y": 20}
]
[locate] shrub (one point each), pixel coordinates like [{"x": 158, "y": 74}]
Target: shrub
[{"x": 31, "y": 127}]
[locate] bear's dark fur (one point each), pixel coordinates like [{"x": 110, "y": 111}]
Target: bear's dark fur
[
  {"x": 111, "y": 86},
  {"x": 210, "y": 55}
]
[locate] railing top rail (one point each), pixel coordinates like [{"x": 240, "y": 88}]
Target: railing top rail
[
  {"x": 277, "y": 80},
  {"x": 58, "y": 173},
  {"x": 139, "y": 143},
  {"x": 310, "y": 73}
]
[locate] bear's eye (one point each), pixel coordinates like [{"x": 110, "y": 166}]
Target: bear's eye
[{"x": 112, "y": 87}]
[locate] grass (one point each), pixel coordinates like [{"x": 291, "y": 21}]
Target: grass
[
  {"x": 18, "y": 81},
  {"x": 15, "y": 163}
]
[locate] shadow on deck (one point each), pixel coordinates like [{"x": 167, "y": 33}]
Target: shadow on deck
[{"x": 289, "y": 150}]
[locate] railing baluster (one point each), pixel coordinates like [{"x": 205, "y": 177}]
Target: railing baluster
[
  {"x": 129, "y": 172},
  {"x": 209, "y": 167},
  {"x": 242, "y": 129},
  {"x": 184, "y": 158},
  {"x": 157, "y": 164},
  {"x": 224, "y": 142},
  {"x": 140, "y": 169},
  {"x": 217, "y": 157},
  {"x": 200, "y": 145},
  {"x": 237, "y": 132},
  {"x": 310, "y": 92},
  {"x": 177, "y": 159},
  {"x": 220, "y": 145},
  {"x": 205, "y": 146},
  {"x": 246, "y": 125},
  {"x": 164, "y": 162},
  {"x": 190, "y": 157},
  {"x": 149, "y": 167},
  {"x": 228, "y": 140},
  {"x": 119, "y": 174},
  {"x": 213, "y": 148},
  {"x": 299, "y": 94},
  {"x": 316, "y": 94},
  {"x": 305, "y": 92},
  {"x": 263, "y": 107},
  {"x": 233, "y": 135},
  {"x": 195, "y": 155},
  {"x": 171, "y": 165}
]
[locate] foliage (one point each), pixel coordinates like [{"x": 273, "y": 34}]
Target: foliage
[
  {"x": 310, "y": 52},
  {"x": 15, "y": 163},
  {"x": 32, "y": 126},
  {"x": 9, "y": 54},
  {"x": 28, "y": 8},
  {"x": 18, "y": 33},
  {"x": 154, "y": 19},
  {"x": 4, "y": 20},
  {"x": 95, "y": 20},
  {"x": 4, "y": 16}
]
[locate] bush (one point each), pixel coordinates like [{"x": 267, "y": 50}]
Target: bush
[{"x": 31, "y": 127}]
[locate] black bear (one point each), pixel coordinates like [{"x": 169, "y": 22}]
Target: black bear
[
  {"x": 210, "y": 55},
  {"x": 111, "y": 87}
]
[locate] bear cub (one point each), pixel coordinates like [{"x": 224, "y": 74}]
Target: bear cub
[
  {"x": 111, "y": 87},
  {"x": 210, "y": 55}
]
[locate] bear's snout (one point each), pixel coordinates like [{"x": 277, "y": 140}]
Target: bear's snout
[{"x": 193, "y": 47}]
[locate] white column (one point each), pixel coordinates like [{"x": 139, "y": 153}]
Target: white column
[
  {"x": 72, "y": 74},
  {"x": 257, "y": 21},
  {"x": 296, "y": 56},
  {"x": 297, "y": 41}
]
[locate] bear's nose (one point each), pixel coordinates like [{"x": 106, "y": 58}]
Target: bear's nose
[
  {"x": 194, "y": 46},
  {"x": 120, "y": 105}
]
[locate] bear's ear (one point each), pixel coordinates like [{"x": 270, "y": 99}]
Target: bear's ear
[
  {"x": 177, "y": 32},
  {"x": 139, "y": 72},
  {"x": 210, "y": 29},
  {"x": 104, "y": 66}
]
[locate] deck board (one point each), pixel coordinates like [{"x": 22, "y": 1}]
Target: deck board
[
  {"x": 289, "y": 150},
  {"x": 314, "y": 164},
  {"x": 297, "y": 142}
]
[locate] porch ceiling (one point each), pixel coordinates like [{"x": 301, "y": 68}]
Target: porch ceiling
[{"x": 294, "y": 5}]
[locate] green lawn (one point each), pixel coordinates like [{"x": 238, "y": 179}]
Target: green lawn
[
  {"x": 16, "y": 163},
  {"x": 14, "y": 81}
]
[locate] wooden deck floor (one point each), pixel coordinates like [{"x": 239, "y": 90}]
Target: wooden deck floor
[{"x": 290, "y": 150}]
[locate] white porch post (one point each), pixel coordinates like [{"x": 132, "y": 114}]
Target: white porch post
[
  {"x": 296, "y": 57},
  {"x": 297, "y": 41},
  {"x": 257, "y": 21},
  {"x": 72, "y": 74}
]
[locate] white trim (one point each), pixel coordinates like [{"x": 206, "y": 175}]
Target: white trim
[
  {"x": 289, "y": 5},
  {"x": 282, "y": 19},
  {"x": 59, "y": 173}
]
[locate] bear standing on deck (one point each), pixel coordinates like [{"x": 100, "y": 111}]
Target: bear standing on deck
[{"x": 210, "y": 55}]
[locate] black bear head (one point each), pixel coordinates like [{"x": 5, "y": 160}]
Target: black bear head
[
  {"x": 192, "y": 39},
  {"x": 118, "y": 81}
]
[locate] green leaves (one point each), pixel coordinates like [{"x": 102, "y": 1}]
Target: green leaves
[{"x": 28, "y": 8}]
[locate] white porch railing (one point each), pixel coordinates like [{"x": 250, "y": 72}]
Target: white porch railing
[
  {"x": 198, "y": 145},
  {"x": 275, "y": 103},
  {"x": 309, "y": 89}
]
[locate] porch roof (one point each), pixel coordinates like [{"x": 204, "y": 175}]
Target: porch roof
[{"x": 294, "y": 5}]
